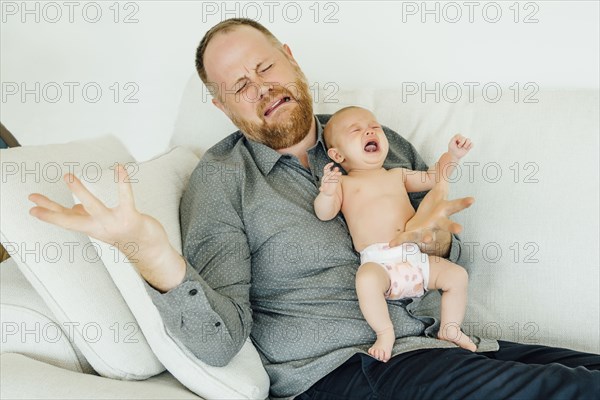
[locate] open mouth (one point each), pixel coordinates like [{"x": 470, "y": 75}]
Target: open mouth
[
  {"x": 276, "y": 104},
  {"x": 371, "y": 146}
]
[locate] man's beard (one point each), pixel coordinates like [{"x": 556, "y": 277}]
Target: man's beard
[{"x": 290, "y": 130}]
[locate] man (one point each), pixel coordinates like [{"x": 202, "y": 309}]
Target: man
[{"x": 257, "y": 261}]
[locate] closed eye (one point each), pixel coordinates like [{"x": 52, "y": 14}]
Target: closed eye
[
  {"x": 241, "y": 88},
  {"x": 266, "y": 69}
]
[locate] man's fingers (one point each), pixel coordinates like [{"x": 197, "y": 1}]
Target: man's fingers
[
  {"x": 44, "y": 204},
  {"x": 454, "y": 206},
  {"x": 71, "y": 222},
  {"x": 79, "y": 209},
  {"x": 125, "y": 191},
  {"x": 449, "y": 226},
  {"x": 89, "y": 201},
  {"x": 43, "y": 201}
]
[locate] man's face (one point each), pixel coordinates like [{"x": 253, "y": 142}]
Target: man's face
[{"x": 259, "y": 86}]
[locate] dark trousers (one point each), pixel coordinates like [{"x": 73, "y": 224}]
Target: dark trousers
[{"x": 515, "y": 371}]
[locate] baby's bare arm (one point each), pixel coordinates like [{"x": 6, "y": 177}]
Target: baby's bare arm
[
  {"x": 419, "y": 181},
  {"x": 328, "y": 202}
]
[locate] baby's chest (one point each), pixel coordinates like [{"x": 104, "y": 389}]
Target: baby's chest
[{"x": 361, "y": 189}]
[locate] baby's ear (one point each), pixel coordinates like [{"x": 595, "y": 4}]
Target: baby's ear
[{"x": 335, "y": 155}]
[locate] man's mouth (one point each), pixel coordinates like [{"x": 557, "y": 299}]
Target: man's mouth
[
  {"x": 276, "y": 104},
  {"x": 371, "y": 146}
]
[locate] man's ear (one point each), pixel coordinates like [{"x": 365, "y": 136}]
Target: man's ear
[
  {"x": 335, "y": 155},
  {"x": 217, "y": 103},
  {"x": 288, "y": 52}
]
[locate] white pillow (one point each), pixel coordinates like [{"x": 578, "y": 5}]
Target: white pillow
[
  {"x": 28, "y": 326},
  {"x": 62, "y": 265},
  {"x": 199, "y": 124},
  {"x": 159, "y": 185}
]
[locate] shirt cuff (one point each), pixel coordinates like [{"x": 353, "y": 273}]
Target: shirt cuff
[
  {"x": 191, "y": 321},
  {"x": 188, "y": 296}
]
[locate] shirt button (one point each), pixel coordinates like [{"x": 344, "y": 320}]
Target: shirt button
[
  {"x": 193, "y": 292},
  {"x": 218, "y": 324}
]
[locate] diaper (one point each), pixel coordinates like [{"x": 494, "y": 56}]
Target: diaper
[{"x": 406, "y": 266}]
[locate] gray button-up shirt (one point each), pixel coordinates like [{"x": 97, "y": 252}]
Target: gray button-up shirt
[{"x": 260, "y": 263}]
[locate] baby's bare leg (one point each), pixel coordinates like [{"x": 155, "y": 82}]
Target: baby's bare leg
[
  {"x": 452, "y": 279},
  {"x": 371, "y": 284}
]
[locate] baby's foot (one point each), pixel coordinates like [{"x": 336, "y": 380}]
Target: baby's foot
[
  {"x": 458, "y": 337},
  {"x": 382, "y": 348}
]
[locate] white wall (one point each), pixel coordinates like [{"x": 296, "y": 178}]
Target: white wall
[{"x": 376, "y": 44}]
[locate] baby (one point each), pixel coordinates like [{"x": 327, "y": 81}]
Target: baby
[{"x": 376, "y": 206}]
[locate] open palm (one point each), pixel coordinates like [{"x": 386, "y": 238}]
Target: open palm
[{"x": 119, "y": 226}]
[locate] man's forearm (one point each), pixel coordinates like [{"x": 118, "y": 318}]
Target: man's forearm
[{"x": 159, "y": 264}]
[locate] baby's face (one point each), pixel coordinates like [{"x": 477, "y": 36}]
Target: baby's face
[{"x": 358, "y": 140}]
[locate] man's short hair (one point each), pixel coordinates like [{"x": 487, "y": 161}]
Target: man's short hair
[{"x": 225, "y": 26}]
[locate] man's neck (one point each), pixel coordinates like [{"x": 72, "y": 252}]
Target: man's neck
[{"x": 300, "y": 149}]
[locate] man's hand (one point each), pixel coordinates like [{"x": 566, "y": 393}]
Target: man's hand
[
  {"x": 331, "y": 180},
  {"x": 459, "y": 146},
  {"x": 430, "y": 226},
  {"x": 121, "y": 226},
  {"x": 117, "y": 225}
]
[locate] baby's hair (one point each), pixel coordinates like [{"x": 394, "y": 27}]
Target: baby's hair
[{"x": 326, "y": 131}]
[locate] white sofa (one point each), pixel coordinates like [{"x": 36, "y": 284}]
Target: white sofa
[{"x": 531, "y": 241}]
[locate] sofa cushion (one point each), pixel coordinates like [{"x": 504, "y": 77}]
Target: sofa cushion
[
  {"x": 158, "y": 185},
  {"x": 62, "y": 265},
  {"x": 28, "y": 326},
  {"x": 25, "y": 378}
]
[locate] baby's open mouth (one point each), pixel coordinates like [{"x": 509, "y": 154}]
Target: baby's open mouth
[
  {"x": 276, "y": 104},
  {"x": 371, "y": 146}
]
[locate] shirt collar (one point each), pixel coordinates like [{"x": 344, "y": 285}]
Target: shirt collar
[
  {"x": 320, "y": 135},
  {"x": 265, "y": 157}
]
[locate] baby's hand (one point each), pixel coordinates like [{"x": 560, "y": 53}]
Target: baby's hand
[
  {"x": 331, "y": 180},
  {"x": 459, "y": 146}
]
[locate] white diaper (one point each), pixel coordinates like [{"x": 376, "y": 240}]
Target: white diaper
[{"x": 406, "y": 266}]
